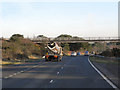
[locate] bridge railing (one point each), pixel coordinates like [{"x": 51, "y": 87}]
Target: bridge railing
[{"x": 75, "y": 38}]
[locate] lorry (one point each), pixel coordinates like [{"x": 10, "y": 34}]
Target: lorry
[{"x": 54, "y": 52}]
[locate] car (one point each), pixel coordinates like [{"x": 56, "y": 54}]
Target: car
[
  {"x": 78, "y": 53},
  {"x": 86, "y": 53},
  {"x": 73, "y": 54}
]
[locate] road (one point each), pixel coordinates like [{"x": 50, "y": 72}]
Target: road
[{"x": 71, "y": 72}]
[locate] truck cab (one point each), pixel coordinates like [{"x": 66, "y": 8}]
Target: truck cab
[
  {"x": 54, "y": 52},
  {"x": 51, "y": 57}
]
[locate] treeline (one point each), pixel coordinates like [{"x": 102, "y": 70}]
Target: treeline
[
  {"x": 74, "y": 46},
  {"x": 20, "y": 48},
  {"x": 17, "y": 47}
]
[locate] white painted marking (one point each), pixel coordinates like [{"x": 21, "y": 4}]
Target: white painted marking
[
  {"x": 18, "y": 72},
  {"x": 34, "y": 66},
  {"x": 51, "y": 81},
  {"x": 61, "y": 67},
  {"x": 15, "y": 74},
  {"x": 21, "y": 71},
  {"x": 6, "y": 77},
  {"x": 58, "y": 72},
  {"x": 10, "y": 75},
  {"x": 102, "y": 75}
]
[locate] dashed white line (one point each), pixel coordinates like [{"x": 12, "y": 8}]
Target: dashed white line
[
  {"x": 6, "y": 77},
  {"x": 61, "y": 67},
  {"x": 10, "y": 75},
  {"x": 21, "y": 71},
  {"x": 51, "y": 81},
  {"x": 15, "y": 74},
  {"x": 34, "y": 66},
  {"x": 58, "y": 72},
  {"x": 18, "y": 72}
]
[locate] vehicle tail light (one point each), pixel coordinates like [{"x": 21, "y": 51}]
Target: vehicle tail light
[
  {"x": 47, "y": 56},
  {"x": 55, "y": 56}
]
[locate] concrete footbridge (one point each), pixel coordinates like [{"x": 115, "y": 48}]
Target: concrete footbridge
[{"x": 76, "y": 39}]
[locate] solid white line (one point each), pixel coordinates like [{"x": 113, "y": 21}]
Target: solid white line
[
  {"x": 51, "y": 81},
  {"x": 102, "y": 75}
]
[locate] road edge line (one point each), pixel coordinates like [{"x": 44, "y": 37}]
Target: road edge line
[{"x": 108, "y": 81}]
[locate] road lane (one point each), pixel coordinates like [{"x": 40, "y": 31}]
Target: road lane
[
  {"x": 78, "y": 73},
  {"x": 72, "y": 72},
  {"x": 35, "y": 78},
  {"x": 11, "y": 69}
]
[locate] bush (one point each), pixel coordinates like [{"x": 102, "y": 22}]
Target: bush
[
  {"x": 19, "y": 48},
  {"x": 115, "y": 52}
]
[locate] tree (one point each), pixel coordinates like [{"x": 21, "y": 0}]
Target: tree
[
  {"x": 75, "y": 46},
  {"x": 78, "y": 38},
  {"x": 66, "y": 47},
  {"x": 16, "y": 37},
  {"x": 41, "y": 36},
  {"x": 64, "y": 35}
]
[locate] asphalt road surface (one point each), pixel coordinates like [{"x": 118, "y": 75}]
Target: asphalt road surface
[{"x": 71, "y": 72}]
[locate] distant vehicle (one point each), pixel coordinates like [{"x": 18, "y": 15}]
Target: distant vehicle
[
  {"x": 73, "y": 54},
  {"x": 92, "y": 53},
  {"x": 86, "y": 53},
  {"x": 78, "y": 53},
  {"x": 54, "y": 52}
]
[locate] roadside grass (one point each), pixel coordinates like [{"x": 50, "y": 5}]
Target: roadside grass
[
  {"x": 103, "y": 60},
  {"x": 10, "y": 63},
  {"x": 15, "y": 62}
]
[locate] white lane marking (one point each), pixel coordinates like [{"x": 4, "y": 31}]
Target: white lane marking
[
  {"x": 15, "y": 74},
  {"x": 21, "y": 71},
  {"x": 34, "y": 66},
  {"x": 18, "y": 72},
  {"x": 10, "y": 75},
  {"x": 51, "y": 81},
  {"x": 58, "y": 72},
  {"x": 102, "y": 75},
  {"x": 6, "y": 77},
  {"x": 61, "y": 67}
]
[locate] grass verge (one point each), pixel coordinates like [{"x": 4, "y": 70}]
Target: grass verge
[
  {"x": 15, "y": 62},
  {"x": 103, "y": 60}
]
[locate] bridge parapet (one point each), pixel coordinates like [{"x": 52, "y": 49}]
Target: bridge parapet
[{"x": 77, "y": 39}]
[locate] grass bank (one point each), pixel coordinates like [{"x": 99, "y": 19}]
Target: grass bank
[
  {"x": 104, "y": 60},
  {"x": 15, "y": 62},
  {"x": 108, "y": 66}
]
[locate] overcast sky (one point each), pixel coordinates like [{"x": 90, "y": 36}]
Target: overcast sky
[{"x": 84, "y": 19}]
